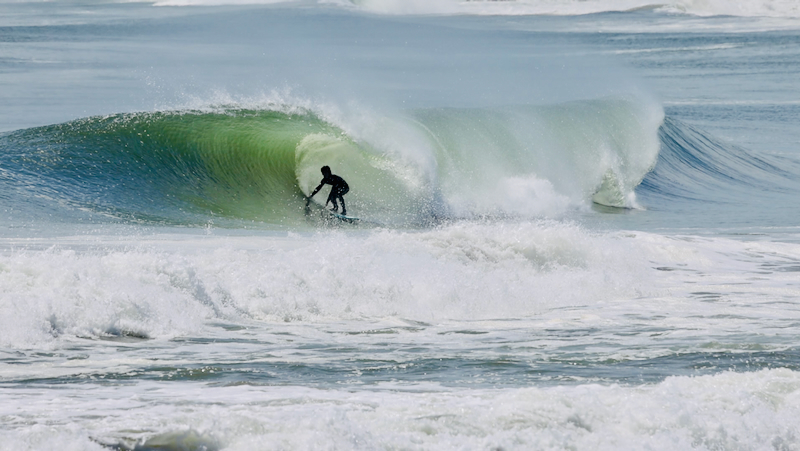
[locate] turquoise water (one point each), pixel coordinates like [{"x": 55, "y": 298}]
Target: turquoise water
[{"x": 579, "y": 231}]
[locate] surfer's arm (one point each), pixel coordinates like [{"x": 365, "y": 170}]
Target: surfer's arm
[{"x": 316, "y": 190}]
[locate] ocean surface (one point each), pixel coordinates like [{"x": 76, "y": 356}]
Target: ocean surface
[{"x": 579, "y": 225}]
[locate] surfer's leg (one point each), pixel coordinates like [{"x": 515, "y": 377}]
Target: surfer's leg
[
  {"x": 344, "y": 209},
  {"x": 332, "y": 199}
]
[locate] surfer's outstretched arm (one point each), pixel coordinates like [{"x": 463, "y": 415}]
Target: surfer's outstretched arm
[{"x": 316, "y": 190}]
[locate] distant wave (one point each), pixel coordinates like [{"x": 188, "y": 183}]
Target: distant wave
[
  {"x": 761, "y": 8},
  {"x": 257, "y": 165}
]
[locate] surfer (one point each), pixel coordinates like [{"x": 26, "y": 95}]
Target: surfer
[{"x": 338, "y": 189}]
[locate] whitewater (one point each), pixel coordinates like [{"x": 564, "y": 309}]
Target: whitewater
[{"x": 578, "y": 225}]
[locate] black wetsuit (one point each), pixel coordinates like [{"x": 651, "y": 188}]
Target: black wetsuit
[{"x": 338, "y": 189}]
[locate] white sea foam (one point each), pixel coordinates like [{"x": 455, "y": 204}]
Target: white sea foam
[
  {"x": 459, "y": 272},
  {"x": 517, "y": 284},
  {"x": 467, "y": 271},
  {"x": 724, "y": 411}
]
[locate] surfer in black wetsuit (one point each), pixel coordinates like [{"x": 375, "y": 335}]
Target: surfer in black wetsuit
[{"x": 338, "y": 189}]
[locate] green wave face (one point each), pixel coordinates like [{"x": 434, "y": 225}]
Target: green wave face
[
  {"x": 192, "y": 167},
  {"x": 236, "y": 167}
]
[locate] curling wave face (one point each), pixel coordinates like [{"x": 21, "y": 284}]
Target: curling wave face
[{"x": 233, "y": 164}]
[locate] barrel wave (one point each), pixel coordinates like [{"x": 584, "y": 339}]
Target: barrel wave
[{"x": 234, "y": 166}]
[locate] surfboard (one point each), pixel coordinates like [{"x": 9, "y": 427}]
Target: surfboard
[
  {"x": 329, "y": 215},
  {"x": 342, "y": 217}
]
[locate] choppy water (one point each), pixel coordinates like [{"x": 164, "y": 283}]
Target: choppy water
[{"x": 579, "y": 225}]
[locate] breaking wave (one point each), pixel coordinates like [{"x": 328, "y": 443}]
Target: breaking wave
[{"x": 234, "y": 164}]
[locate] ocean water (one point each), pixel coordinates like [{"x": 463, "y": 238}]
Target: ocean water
[{"x": 580, "y": 225}]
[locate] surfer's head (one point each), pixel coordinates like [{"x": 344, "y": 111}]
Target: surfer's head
[{"x": 326, "y": 170}]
